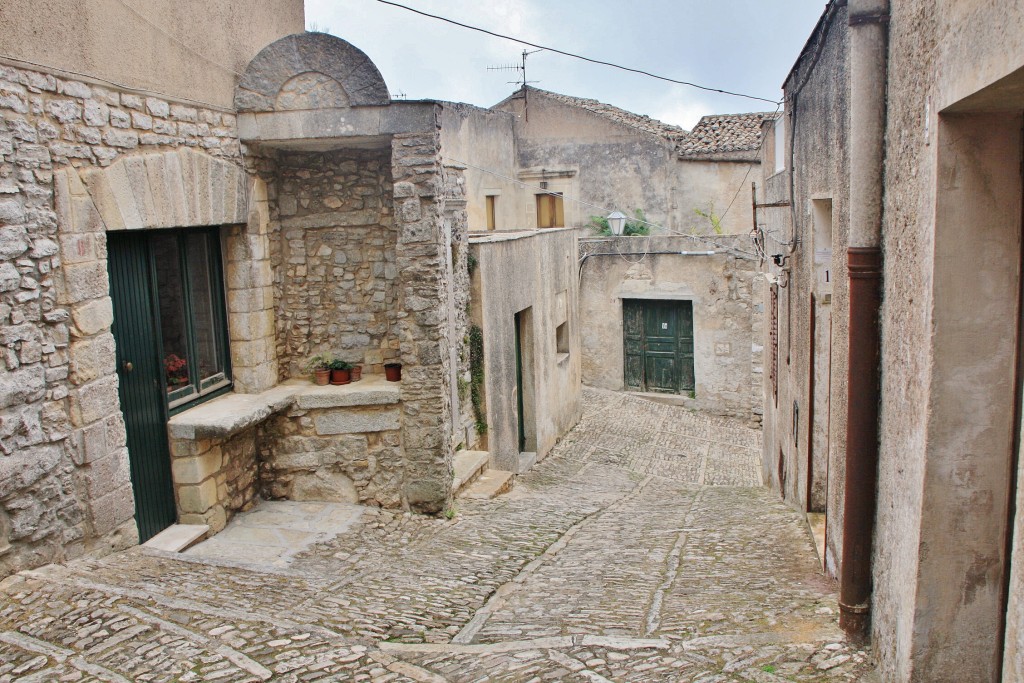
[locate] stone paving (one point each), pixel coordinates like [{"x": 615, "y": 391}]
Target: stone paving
[{"x": 642, "y": 549}]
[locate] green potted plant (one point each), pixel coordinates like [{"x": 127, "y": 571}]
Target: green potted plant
[
  {"x": 320, "y": 368},
  {"x": 340, "y": 371}
]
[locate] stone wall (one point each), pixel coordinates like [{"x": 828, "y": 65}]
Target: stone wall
[
  {"x": 723, "y": 289},
  {"x": 214, "y": 478},
  {"x": 329, "y": 446},
  {"x": 333, "y": 252},
  {"x": 424, "y": 327},
  {"x": 64, "y": 482}
]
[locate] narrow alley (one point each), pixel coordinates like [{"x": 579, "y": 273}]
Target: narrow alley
[{"x": 643, "y": 548}]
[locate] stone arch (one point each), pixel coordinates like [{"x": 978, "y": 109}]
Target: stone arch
[
  {"x": 178, "y": 188},
  {"x": 335, "y": 68}
]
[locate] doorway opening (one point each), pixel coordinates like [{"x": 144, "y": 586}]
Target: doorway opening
[{"x": 171, "y": 339}]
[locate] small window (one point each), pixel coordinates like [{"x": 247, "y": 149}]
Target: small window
[
  {"x": 492, "y": 221},
  {"x": 550, "y": 211},
  {"x": 193, "y": 333},
  {"x": 562, "y": 339}
]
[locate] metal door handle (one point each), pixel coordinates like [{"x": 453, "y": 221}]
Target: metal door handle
[{"x": 127, "y": 365}]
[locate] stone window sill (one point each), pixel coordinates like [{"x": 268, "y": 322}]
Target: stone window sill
[
  {"x": 226, "y": 416},
  {"x": 561, "y": 358}
]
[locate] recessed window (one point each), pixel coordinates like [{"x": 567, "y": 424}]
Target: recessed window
[
  {"x": 550, "y": 211},
  {"x": 562, "y": 338},
  {"x": 191, "y": 313}
]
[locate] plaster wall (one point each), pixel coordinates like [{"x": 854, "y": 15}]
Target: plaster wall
[
  {"x": 724, "y": 294},
  {"x": 942, "y": 483},
  {"x": 515, "y": 272},
  {"x": 483, "y": 141},
  {"x": 154, "y": 46},
  {"x": 618, "y": 167},
  {"x": 798, "y": 455}
]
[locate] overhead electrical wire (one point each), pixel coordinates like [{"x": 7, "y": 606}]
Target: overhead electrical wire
[{"x": 574, "y": 55}]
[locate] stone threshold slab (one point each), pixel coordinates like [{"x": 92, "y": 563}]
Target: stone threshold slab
[{"x": 177, "y": 537}]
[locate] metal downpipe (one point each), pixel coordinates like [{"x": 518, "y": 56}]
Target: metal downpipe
[{"x": 868, "y": 21}]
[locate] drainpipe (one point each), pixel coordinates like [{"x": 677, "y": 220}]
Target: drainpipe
[{"x": 869, "y": 30}]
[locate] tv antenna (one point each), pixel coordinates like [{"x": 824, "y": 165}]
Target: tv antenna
[{"x": 522, "y": 82}]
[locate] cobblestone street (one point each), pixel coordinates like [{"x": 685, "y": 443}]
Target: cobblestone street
[{"x": 643, "y": 548}]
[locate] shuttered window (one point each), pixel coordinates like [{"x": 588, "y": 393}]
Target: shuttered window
[
  {"x": 550, "y": 210},
  {"x": 773, "y": 363}
]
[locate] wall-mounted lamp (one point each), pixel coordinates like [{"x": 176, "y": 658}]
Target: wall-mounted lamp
[{"x": 616, "y": 221}]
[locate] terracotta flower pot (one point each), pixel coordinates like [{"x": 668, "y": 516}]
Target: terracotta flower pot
[
  {"x": 341, "y": 376},
  {"x": 393, "y": 372},
  {"x": 357, "y": 373},
  {"x": 322, "y": 377}
]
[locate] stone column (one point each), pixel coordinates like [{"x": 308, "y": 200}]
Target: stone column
[
  {"x": 423, "y": 321},
  {"x": 250, "y": 295}
]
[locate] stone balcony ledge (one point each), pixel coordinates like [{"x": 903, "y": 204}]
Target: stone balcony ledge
[{"x": 226, "y": 416}]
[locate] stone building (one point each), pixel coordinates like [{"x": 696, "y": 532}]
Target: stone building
[
  {"x": 675, "y": 318},
  {"x": 177, "y": 242},
  {"x": 542, "y": 159},
  {"x": 903, "y": 140}
]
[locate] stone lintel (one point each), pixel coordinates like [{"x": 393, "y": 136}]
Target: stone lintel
[{"x": 336, "y": 128}]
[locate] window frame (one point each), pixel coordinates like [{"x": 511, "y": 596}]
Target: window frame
[{"x": 221, "y": 382}]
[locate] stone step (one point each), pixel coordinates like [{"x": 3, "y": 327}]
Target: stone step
[
  {"x": 177, "y": 537},
  {"x": 490, "y": 484},
  {"x": 468, "y": 466}
]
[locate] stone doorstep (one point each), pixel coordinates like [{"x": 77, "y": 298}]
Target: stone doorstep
[
  {"x": 468, "y": 466},
  {"x": 177, "y": 537},
  {"x": 490, "y": 484}
]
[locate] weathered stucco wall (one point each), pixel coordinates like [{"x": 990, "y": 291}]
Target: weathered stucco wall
[
  {"x": 727, "y": 355},
  {"x": 484, "y": 139},
  {"x": 533, "y": 272},
  {"x": 333, "y": 250},
  {"x": 616, "y": 166},
  {"x": 951, "y": 241},
  {"x": 158, "y": 47},
  {"x": 799, "y": 455}
]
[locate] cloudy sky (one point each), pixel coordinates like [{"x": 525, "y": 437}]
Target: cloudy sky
[{"x": 746, "y": 46}]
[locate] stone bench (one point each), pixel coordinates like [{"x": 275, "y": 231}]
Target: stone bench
[{"x": 297, "y": 441}]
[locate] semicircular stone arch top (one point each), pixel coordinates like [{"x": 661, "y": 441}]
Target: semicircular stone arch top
[{"x": 310, "y": 71}]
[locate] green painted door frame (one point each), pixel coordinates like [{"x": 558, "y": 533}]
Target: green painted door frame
[{"x": 658, "y": 345}]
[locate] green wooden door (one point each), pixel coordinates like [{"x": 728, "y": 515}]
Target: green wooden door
[
  {"x": 661, "y": 365},
  {"x": 520, "y": 412},
  {"x": 141, "y": 389},
  {"x": 658, "y": 345}
]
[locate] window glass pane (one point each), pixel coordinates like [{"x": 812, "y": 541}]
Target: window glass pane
[
  {"x": 204, "y": 320},
  {"x": 173, "y": 329}
]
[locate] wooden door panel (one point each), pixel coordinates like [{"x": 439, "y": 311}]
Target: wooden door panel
[{"x": 140, "y": 389}]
